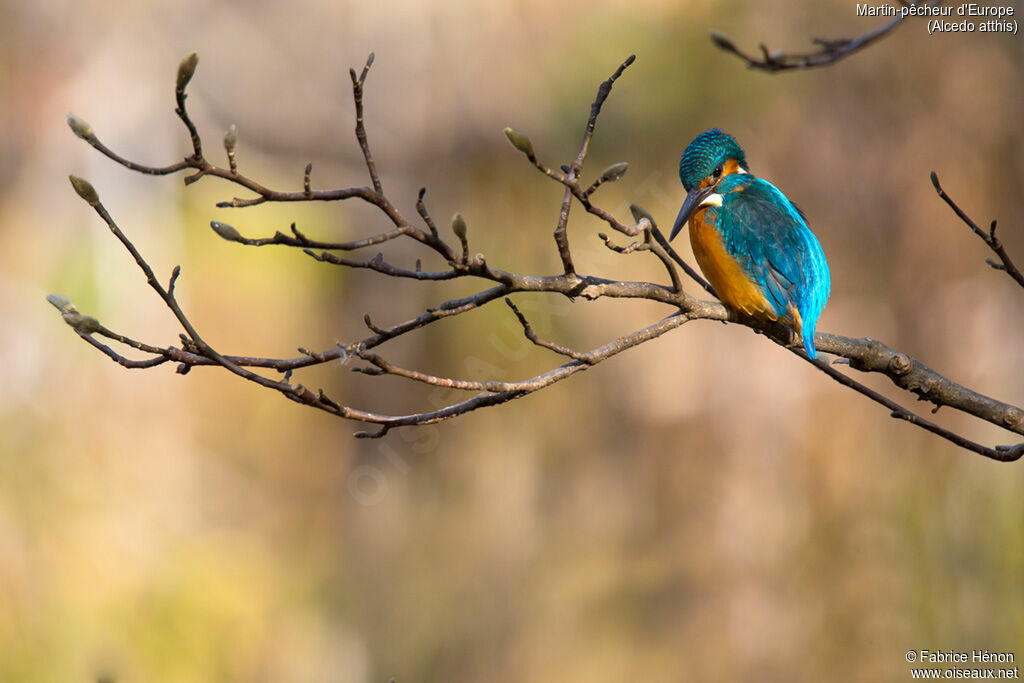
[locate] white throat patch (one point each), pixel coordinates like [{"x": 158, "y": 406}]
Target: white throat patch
[{"x": 713, "y": 199}]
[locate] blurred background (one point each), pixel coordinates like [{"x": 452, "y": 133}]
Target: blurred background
[{"x": 705, "y": 507}]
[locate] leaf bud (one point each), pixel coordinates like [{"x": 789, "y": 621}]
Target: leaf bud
[
  {"x": 187, "y": 69},
  {"x": 722, "y": 41},
  {"x": 519, "y": 141},
  {"x": 614, "y": 172},
  {"x": 231, "y": 138},
  {"x": 84, "y": 189},
  {"x": 459, "y": 226},
  {"x": 61, "y": 303},
  {"x": 640, "y": 213},
  {"x": 80, "y": 127},
  {"x": 226, "y": 231}
]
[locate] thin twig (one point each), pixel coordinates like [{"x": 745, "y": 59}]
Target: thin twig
[
  {"x": 989, "y": 238},
  {"x": 357, "y": 93},
  {"x": 694, "y": 275},
  {"x": 421, "y": 209},
  {"x": 570, "y": 180},
  {"x": 532, "y": 336},
  {"x": 831, "y": 51},
  {"x": 659, "y": 251},
  {"x": 185, "y": 71},
  {"x": 297, "y": 239},
  {"x": 1001, "y": 453}
]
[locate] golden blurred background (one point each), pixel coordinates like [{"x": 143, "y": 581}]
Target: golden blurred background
[{"x": 703, "y": 508}]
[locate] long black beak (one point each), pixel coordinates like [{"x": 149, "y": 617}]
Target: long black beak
[{"x": 693, "y": 199}]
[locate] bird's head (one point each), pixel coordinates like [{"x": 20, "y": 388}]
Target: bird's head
[{"x": 711, "y": 156}]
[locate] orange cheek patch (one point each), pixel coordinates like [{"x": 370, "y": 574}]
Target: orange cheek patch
[{"x": 731, "y": 166}]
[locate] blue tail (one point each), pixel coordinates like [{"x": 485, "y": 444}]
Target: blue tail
[
  {"x": 809, "y": 340},
  {"x": 816, "y": 290}
]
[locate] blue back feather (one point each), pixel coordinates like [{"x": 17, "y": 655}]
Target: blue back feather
[{"x": 769, "y": 237}]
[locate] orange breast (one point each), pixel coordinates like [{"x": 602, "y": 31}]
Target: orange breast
[{"x": 731, "y": 284}]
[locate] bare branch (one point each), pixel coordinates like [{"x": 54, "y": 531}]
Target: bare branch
[
  {"x": 603, "y": 91},
  {"x": 694, "y": 275},
  {"x": 496, "y": 393},
  {"x": 830, "y": 52},
  {"x": 121, "y": 360},
  {"x": 378, "y": 264},
  {"x": 532, "y": 336},
  {"x": 989, "y": 238},
  {"x": 863, "y": 355},
  {"x": 185, "y": 72},
  {"x": 421, "y": 208},
  {"x": 297, "y": 239},
  {"x": 572, "y": 186},
  {"x": 677, "y": 284},
  {"x": 357, "y": 93},
  {"x": 1001, "y": 453}
]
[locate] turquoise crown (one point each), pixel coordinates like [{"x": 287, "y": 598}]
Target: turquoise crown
[{"x": 707, "y": 150}]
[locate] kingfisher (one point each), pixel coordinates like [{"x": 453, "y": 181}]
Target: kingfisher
[{"x": 749, "y": 239}]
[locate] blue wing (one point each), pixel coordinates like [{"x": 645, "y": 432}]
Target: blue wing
[{"x": 770, "y": 239}]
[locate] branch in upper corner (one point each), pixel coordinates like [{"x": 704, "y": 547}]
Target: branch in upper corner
[
  {"x": 989, "y": 238},
  {"x": 830, "y": 52}
]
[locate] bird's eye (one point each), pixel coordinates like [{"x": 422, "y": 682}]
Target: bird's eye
[{"x": 718, "y": 171}]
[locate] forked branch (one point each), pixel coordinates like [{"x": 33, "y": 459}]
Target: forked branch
[
  {"x": 1005, "y": 264},
  {"x": 864, "y": 355},
  {"x": 829, "y": 51}
]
